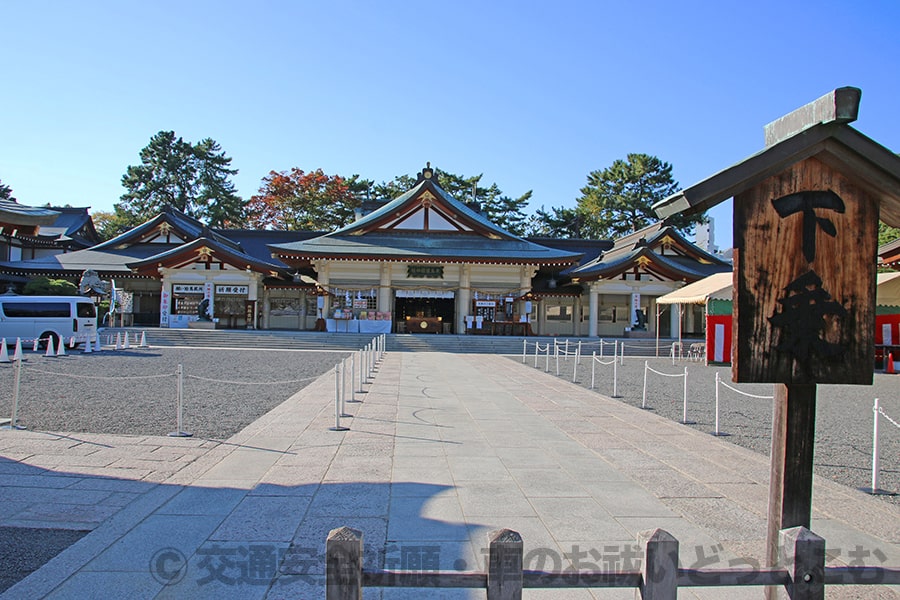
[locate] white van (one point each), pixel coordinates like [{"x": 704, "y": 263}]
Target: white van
[{"x": 47, "y": 318}]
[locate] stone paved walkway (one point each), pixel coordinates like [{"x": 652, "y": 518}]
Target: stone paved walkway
[{"x": 443, "y": 449}]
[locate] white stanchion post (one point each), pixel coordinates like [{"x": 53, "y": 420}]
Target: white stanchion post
[
  {"x": 179, "y": 398},
  {"x": 537, "y": 347},
  {"x": 557, "y": 361},
  {"x": 594, "y": 364},
  {"x": 547, "y": 366},
  {"x": 352, "y": 360},
  {"x": 684, "y": 419},
  {"x": 344, "y": 389},
  {"x": 337, "y": 400},
  {"x": 575, "y": 363},
  {"x": 14, "y": 418},
  {"x": 615, "y": 377},
  {"x": 362, "y": 369},
  {"x": 566, "y": 359},
  {"x": 622, "y": 356},
  {"x": 875, "y": 453},
  {"x": 524, "y": 350},
  {"x": 601, "y": 349},
  {"x": 644, "y": 397},
  {"x": 716, "y": 432}
]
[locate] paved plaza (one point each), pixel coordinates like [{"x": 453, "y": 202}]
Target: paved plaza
[{"x": 442, "y": 449}]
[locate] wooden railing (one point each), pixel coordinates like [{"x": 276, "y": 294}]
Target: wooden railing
[{"x": 802, "y": 572}]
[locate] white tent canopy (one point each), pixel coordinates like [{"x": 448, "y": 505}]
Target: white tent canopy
[
  {"x": 714, "y": 287},
  {"x": 888, "y": 291}
]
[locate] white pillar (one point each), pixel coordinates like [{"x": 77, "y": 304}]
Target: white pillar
[
  {"x": 594, "y": 310},
  {"x": 674, "y": 320},
  {"x": 463, "y": 298},
  {"x": 384, "y": 288}
]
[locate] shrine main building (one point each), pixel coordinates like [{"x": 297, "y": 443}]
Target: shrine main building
[{"x": 423, "y": 262}]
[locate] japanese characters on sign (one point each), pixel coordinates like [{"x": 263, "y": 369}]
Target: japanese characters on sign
[
  {"x": 232, "y": 290},
  {"x": 806, "y": 241}
]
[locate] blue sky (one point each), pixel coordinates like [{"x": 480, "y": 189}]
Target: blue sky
[{"x": 534, "y": 95}]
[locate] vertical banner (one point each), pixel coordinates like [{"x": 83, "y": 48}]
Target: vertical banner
[
  {"x": 209, "y": 295},
  {"x": 635, "y": 306},
  {"x": 164, "y": 303}
]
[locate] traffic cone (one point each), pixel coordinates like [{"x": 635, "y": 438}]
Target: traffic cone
[
  {"x": 126, "y": 344},
  {"x": 4, "y": 353},
  {"x": 98, "y": 344},
  {"x": 143, "y": 343},
  {"x": 87, "y": 346},
  {"x": 50, "y": 352},
  {"x": 17, "y": 355},
  {"x": 61, "y": 347},
  {"x": 889, "y": 366},
  {"x": 118, "y": 341}
]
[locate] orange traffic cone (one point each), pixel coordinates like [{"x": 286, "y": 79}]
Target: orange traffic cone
[{"x": 889, "y": 367}]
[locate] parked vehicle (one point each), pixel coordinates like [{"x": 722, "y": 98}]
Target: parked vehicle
[{"x": 47, "y": 318}]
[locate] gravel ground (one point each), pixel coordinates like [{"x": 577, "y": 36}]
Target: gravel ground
[
  {"x": 844, "y": 415},
  {"x": 134, "y": 392}
]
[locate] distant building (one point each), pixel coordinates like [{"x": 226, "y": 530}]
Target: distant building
[{"x": 423, "y": 262}]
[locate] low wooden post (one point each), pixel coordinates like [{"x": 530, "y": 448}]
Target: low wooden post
[
  {"x": 504, "y": 576},
  {"x": 803, "y": 555},
  {"x": 344, "y": 564},
  {"x": 659, "y": 577}
]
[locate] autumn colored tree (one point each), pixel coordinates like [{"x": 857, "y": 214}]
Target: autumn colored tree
[{"x": 300, "y": 200}]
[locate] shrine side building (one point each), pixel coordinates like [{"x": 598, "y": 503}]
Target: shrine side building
[{"x": 423, "y": 262}]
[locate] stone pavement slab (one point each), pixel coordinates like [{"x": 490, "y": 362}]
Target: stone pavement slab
[{"x": 442, "y": 449}]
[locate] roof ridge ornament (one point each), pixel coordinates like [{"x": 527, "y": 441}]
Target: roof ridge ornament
[{"x": 426, "y": 173}]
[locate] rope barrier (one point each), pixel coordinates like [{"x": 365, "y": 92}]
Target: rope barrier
[
  {"x": 684, "y": 419},
  {"x": 117, "y": 378},
  {"x": 615, "y": 363},
  {"x": 286, "y": 382},
  {"x": 876, "y": 468},
  {"x": 719, "y": 382}
]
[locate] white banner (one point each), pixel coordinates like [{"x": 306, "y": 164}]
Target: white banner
[
  {"x": 426, "y": 294},
  {"x": 180, "y": 288},
  {"x": 232, "y": 290}
]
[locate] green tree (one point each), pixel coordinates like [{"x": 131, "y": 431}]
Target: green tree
[
  {"x": 558, "y": 222},
  {"x": 109, "y": 224},
  {"x": 217, "y": 200},
  {"x": 887, "y": 234},
  {"x": 617, "y": 200},
  {"x": 6, "y": 192},
  {"x": 44, "y": 286},
  {"x": 189, "y": 178}
]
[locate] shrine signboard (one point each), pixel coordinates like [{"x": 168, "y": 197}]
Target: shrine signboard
[{"x": 805, "y": 249}]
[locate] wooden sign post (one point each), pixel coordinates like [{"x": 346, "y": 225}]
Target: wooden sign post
[{"x": 806, "y": 212}]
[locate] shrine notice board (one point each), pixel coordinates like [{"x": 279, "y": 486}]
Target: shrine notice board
[{"x": 804, "y": 267}]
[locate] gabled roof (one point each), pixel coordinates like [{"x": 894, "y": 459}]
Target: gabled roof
[
  {"x": 425, "y": 224},
  {"x": 73, "y": 225},
  {"x": 203, "y": 250},
  {"x": 170, "y": 222},
  {"x": 860, "y": 159},
  {"x": 659, "y": 249},
  {"x": 13, "y": 213}
]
